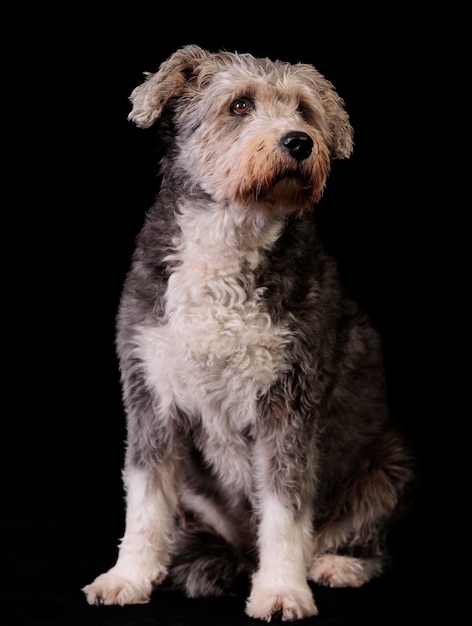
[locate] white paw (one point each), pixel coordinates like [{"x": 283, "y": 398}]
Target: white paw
[
  {"x": 112, "y": 588},
  {"x": 290, "y": 603},
  {"x": 334, "y": 570}
]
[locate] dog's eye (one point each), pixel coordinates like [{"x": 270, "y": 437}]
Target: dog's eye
[
  {"x": 241, "y": 106},
  {"x": 306, "y": 112},
  {"x": 302, "y": 109}
]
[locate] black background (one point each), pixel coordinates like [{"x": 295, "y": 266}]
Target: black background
[{"x": 80, "y": 178}]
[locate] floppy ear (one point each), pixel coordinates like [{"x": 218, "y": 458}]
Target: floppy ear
[
  {"x": 340, "y": 129},
  {"x": 149, "y": 98},
  {"x": 334, "y": 120}
]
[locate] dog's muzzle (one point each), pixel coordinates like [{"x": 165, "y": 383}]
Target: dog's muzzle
[{"x": 298, "y": 144}]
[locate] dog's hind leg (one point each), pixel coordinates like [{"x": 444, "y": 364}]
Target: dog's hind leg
[
  {"x": 346, "y": 555},
  {"x": 352, "y": 549},
  {"x": 336, "y": 570}
]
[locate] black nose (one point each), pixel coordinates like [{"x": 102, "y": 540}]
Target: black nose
[{"x": 298, "y": 144}]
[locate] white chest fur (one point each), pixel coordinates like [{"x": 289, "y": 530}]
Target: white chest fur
[{"x": 219, "y": 350}]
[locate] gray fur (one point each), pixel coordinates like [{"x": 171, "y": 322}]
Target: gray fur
[{"x": 321, "y": 440}]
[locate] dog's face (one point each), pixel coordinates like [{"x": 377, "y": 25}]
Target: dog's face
[{"x": 246, "y": 130}]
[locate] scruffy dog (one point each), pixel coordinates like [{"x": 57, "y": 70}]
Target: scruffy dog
[{"x": 258, "y": 434}]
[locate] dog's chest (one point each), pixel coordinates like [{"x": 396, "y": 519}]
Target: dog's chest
[{"x": 219, "y": 349}]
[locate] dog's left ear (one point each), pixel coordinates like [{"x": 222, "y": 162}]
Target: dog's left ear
[
  {"x": 340, "y": 129},
  {"x": 150, "y": 97},
  {"x": 342, "y": 133},
  {"x": 337, "y": 128}
]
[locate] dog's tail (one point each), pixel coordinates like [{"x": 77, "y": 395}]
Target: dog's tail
[{"x": 205, "y": 565}]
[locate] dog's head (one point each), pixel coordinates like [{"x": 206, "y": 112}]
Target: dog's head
[{"x": 244, "y": 129}]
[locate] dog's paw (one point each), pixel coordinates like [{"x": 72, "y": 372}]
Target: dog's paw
[
  {"x": 334, "y": 570},
  {"x": 112, "y": 588},
  {"x": 291, "y": 603}
]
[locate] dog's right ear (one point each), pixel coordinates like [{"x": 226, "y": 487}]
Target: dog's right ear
[{"x": 149, "y": 98}]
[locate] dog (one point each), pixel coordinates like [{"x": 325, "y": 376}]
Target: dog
[{"x": 259, "y": 439}]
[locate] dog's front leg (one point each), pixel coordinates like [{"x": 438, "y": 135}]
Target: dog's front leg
[
  {"x": 285, "y": 481},
  {"x": 280, "y": 584},
  {"x": 144, "y": 549}
]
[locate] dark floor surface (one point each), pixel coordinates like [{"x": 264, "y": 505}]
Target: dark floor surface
[{"x": 61, "y": 530}]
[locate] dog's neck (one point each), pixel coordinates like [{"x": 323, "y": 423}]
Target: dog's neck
[{"x": 221, "y": 231}]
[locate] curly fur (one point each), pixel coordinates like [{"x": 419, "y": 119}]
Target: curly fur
[{"x": 258, "y": 434}]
